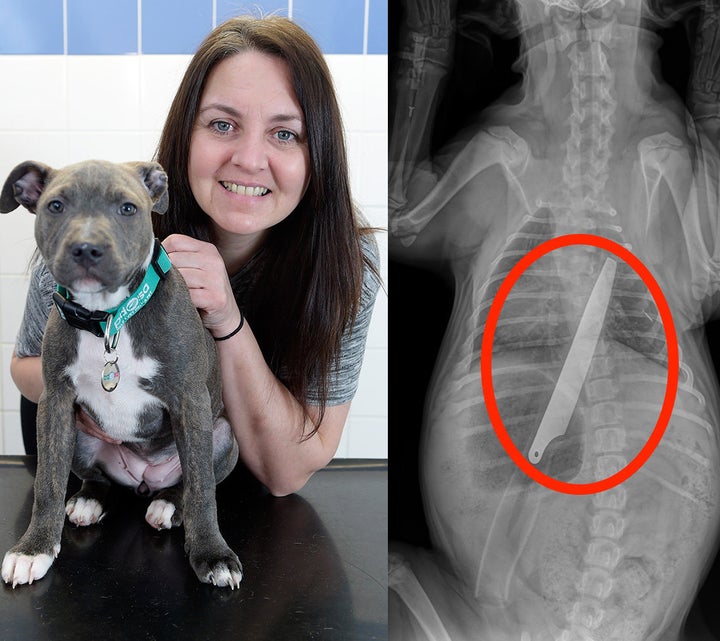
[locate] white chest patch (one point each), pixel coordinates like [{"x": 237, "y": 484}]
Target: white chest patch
[{"x": 118, "y": 411}]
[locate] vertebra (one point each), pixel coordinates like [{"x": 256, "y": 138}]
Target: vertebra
[
  {"x": 608, "y": 524},
  {"x": 604, "y": 553}
]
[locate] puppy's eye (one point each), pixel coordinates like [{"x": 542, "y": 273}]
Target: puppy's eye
[
  {"x": 56, "y": 207},
  {"x": 127, "y": 209}
]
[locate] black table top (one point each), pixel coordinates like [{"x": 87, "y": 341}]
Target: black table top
[{"x": 315, "y": 566}]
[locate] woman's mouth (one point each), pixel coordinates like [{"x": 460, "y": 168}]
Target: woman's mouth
[{"x": 244, "y": 190}]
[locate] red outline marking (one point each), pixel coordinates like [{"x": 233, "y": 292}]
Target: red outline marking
[{"x": 672, "y": 376}]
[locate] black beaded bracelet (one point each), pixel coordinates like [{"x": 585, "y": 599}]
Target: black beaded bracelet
[{"x": 235, "y": 331}]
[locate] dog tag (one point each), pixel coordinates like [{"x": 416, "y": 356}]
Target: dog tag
[{"x": 110, "y": 376}]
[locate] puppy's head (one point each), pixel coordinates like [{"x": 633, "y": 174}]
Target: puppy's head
[{"x": 93, "y": 225}]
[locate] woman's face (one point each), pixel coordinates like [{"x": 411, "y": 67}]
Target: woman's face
[{"x": 249, "y": 162}]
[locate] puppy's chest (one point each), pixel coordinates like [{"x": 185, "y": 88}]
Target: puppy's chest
[{"x": 119, "y": 412}]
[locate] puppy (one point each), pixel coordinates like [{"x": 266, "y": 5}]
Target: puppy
[{"x": 125, "y": 344}]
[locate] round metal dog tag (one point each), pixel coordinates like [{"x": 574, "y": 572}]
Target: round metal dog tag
[{"x": 110, "y": 376}]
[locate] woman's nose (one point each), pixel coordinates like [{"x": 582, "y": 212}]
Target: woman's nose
[{"x": 250, "y": 153}]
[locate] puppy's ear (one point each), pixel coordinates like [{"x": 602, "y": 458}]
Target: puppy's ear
[
  {"x": 24, "y": 186},
  {"x": 155, "y": 180}
]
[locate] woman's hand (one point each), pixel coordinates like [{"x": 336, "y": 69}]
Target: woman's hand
[
  {"x": 203, "y": 269},
  {"x": 86, "y": 424}
]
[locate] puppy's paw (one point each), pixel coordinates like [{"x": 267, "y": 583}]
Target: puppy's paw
[
  {"x": 83, "y": 511},
  {"x": 223, "y": 570},
  {"x": 21, "y": 569},
  {"x": 226, "y": 575},
  {"x": 162, "y": 515}
]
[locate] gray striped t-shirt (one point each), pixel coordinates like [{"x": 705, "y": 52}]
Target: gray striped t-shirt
[{"x": 343, "y": 380}]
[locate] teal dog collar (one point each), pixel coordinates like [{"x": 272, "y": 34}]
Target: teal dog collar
[{"x": 96, "y": 321}]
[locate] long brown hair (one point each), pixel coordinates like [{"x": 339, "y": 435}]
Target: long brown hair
[{"x": 308, "y": 279}]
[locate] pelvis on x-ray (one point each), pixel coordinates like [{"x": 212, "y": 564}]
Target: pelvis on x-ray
[{"x": 586, "y": 348}]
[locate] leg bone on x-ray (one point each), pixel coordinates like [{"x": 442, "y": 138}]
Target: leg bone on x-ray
[{"x": 591, "y": 141}]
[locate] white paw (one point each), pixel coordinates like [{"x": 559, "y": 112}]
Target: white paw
[
  {"x": 83, "y": 511},
  {"x": 159, "y": 514},
  {"x": 223, "y": 577},
  {"x": 20, "y": 569}
]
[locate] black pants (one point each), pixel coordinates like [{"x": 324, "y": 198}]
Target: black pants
[{"x": 28, "y": 415}]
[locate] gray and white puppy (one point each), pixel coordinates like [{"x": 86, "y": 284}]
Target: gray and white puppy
[{"x": 147, "y": 374}]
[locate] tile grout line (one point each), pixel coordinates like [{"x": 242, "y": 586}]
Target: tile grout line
[
  {"x": 366, "y": 27},
  {"x": 139, "y": 27},
  {"x": 65, "y": 28}
]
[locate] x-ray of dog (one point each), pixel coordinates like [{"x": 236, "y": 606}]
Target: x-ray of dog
[{"x": 568, "y": 458}]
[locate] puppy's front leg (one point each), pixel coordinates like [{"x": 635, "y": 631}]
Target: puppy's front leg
[
  {"x": 211, "y": 558},
  {"x": 30, "y": 559}
]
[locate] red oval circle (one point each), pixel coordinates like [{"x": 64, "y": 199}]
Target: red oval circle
[{"x": 486, "y": 364}]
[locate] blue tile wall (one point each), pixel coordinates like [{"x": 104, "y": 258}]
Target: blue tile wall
[
  {"x": 79, "y": 27},
  {"x": 31, "y": 26},
  {"x": 338, "y": 27},
  {"x": 377, "y": 41},
  {"x": 106, "y": 27},
  {"x": 175, "y": 26}
]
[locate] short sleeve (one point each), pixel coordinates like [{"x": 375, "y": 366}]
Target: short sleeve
[
  {"x": 344, "y": 377},
  {"x": 37, "y": 309}
]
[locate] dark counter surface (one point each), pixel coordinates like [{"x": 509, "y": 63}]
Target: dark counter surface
[{"x": 315, "y": 566}]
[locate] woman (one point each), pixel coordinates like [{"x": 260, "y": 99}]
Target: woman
[{"x": 262, "y": 227}]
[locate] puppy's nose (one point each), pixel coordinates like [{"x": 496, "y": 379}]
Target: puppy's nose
[{"x": 86, "y": 254}]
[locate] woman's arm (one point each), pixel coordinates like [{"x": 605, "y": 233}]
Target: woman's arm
[
  {"x": 26, "y": 373},
  {"x": 25, "y": 365},
  {"x": 267, "y": 420}
]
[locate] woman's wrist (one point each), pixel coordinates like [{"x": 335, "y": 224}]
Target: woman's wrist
[{"x": 229, "y": 330}]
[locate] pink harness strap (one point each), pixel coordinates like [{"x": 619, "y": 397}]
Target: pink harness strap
[{"x": 127, "y": 468}]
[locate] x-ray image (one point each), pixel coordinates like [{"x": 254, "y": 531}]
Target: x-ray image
[{"x": 555, "y": 272}]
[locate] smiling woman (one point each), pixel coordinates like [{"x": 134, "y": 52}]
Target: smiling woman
[{"x": 249, "y": 158}]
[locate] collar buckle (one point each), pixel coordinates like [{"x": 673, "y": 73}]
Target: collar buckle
[
  {"x": 160, "y": 261},
  {"x": 79, "y": 317}
]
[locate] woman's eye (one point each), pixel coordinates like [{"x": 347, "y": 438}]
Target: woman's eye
[
  {"x": 285, "y": 136},
  {"x": 56, "y": 206},
  {"x": 222, "y": 126},
  {"x": 127, "y": 209}
]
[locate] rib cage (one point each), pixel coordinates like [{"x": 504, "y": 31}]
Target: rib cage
[
  {"x": 552, "y": 291},
  {"x": 510, "y": 515}
]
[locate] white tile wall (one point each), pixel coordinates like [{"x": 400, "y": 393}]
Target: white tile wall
[{"x": 61, "y": 109}]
